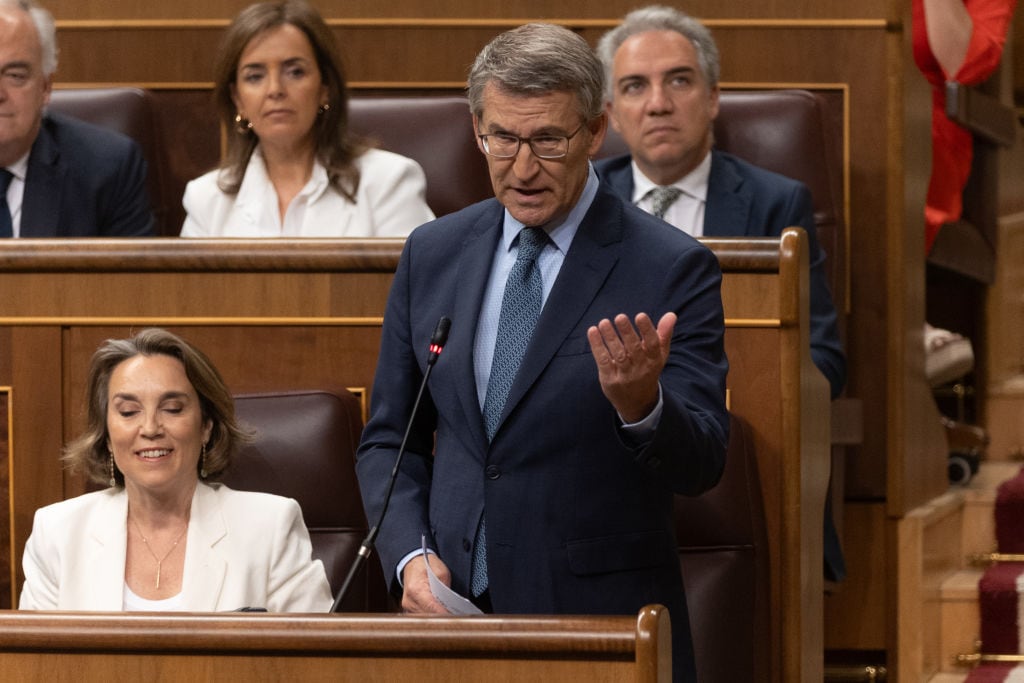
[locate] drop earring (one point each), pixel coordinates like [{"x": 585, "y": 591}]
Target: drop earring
[
  {"x": 113, "y": 481},
  {"x": 202, "y": 462},
  {"x": 242, "y": 124}
]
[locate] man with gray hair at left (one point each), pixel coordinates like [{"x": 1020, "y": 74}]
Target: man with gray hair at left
[{"x": 59, "y": 177}]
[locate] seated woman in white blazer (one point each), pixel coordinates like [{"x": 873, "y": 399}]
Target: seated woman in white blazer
[
  {"x": 163, "y": 537},
  {"x": 291, "y": 167}
]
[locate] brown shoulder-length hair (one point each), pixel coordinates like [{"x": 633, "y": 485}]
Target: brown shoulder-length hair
[
  {"x": 336, "y": 147},
  {"x": 89, "y": 453}
]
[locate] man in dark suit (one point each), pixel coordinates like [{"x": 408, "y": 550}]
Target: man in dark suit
[
  {"x": 661, "y": 69},
  {"x": 661, "y": 80},
  {"x": 58, "y": 177},
  {"x": 555, "y": 498}
]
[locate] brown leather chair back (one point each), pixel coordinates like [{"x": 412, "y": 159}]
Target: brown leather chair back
[
  {"x": 128, "y": 111},
  {"x": 437, "y": 132},
  {"x": 723, "y": 551},
  {"x": 788, "y": 132},
  {"x": 305, "y": 449}
]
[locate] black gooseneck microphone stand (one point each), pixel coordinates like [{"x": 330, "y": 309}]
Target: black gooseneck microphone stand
[{"x": 437, "y": 342}]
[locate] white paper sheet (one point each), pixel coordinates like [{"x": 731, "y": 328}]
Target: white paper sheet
[{"x": 452, "y": 601}]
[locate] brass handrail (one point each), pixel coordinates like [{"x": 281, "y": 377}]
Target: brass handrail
[{"x": 986, "y": 559}]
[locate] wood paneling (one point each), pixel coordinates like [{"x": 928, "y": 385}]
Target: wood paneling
[
  {"x": 463, "y": 9},
  {"x": 419, "y": 53},
  {"x": 855, "y": 612},
  {"x": 6, "y": 567}
]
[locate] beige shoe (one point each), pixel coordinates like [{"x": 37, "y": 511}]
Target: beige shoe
[{"x": 948, "y": 356}]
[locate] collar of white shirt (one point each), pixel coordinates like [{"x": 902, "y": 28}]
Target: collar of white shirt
[
  {"x": 16, "y": 191},
  {"x": 694, "y": 184}
]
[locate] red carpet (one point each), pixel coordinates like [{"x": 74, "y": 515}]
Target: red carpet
[
  {"x": 1000, "y": 588},
  {"x": 996, "y": 673}
]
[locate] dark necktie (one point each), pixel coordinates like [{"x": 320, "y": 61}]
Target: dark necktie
[
  {"x": 520, "y": 308},
  {"x": 6, "y": 226},
  {"x": 662, "y": 198}
]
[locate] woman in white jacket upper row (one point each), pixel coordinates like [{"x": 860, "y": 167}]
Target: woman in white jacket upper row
[{"x": 291, "y": 167}]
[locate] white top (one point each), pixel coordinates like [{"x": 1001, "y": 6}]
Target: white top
[
  {"x": 133, "y": 602},
  {"x": 390, "y": 202},
  {"x": 687, "y": 212}
]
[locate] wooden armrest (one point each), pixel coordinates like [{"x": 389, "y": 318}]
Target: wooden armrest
[{"x": 982, "y": 114}]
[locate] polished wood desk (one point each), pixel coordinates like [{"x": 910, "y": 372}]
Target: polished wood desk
[{"x": 92, "y": 647}]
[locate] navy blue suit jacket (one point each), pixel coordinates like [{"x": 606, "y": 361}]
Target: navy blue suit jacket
[
  {"x": 748, "y": 201},
  {"x": 84, "y": 181},
  {"x": 579, "y": 520}
]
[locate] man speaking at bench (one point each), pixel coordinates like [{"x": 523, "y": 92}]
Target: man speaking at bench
[
  {"x": 583, "y": 382},
  {"x": 58, "y": 177}
]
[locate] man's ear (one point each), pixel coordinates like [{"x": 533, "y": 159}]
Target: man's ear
[
  {"x": 476, "y": 133},
  {"x": 47, "y": 89},
  {"x": 609, "y": 110},
  {"x": 598, "y": 127}
]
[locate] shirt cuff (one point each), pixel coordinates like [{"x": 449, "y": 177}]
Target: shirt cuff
[
  {"x": 407, "y": 559},
  {"x": 642, "y": 430}
]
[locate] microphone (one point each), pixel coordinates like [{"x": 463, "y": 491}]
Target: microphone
[{"x": 437, "y": 341}]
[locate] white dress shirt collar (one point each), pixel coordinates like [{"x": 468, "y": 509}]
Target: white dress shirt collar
[
  {"x": 16, "y": 191},
  {"x": 687, "y": 212}
]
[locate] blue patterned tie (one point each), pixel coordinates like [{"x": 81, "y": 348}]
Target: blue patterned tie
[
  {"x": 520, "y": 308},
  {"x": 6, "y": 226}
]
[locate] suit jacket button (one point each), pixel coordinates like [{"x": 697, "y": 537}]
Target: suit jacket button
[
  {"x": 492, "y": 472},
  {"x": 466, "y": 545}
]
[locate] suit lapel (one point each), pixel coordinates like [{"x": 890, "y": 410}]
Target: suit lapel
[
  {"x": 103, "y": 560},
  {"x": 728, "y": 201},
  {"x": 44, "y": 183},
  {"x": 474, "y": 266},
  {"x": 205, "y": 567},
  {"x": 591, "y": 257},
  {"x": 620, "y": 179}
]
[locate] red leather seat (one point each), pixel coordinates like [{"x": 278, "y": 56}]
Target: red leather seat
[
  {"x": 305, "y": 449},
  {"x": 128, "y": 111},
  {"x": 723, "y": 552},
  {"x": 436, "y": 131}
]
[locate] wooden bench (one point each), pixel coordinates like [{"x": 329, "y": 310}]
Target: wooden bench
[
  {"x": 308, "y": 313},
  {"x": 97, "y": 648}
]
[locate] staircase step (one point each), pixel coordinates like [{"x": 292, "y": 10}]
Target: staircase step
[
  {"x": 959, "y": 617},
  {"x": 947, "y": 677},
  {"x": 979, "y": 527}
]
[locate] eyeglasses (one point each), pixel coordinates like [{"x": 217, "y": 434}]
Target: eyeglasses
[{"x": 505, "y": 146}]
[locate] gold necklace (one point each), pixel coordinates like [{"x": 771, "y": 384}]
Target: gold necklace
[{"x": 159, "y": 560}]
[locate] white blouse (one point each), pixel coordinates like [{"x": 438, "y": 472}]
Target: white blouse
[{"x": 390, "y": 202}]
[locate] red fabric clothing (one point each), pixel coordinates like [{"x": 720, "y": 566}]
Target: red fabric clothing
[{"x": 952, "y": 145}]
